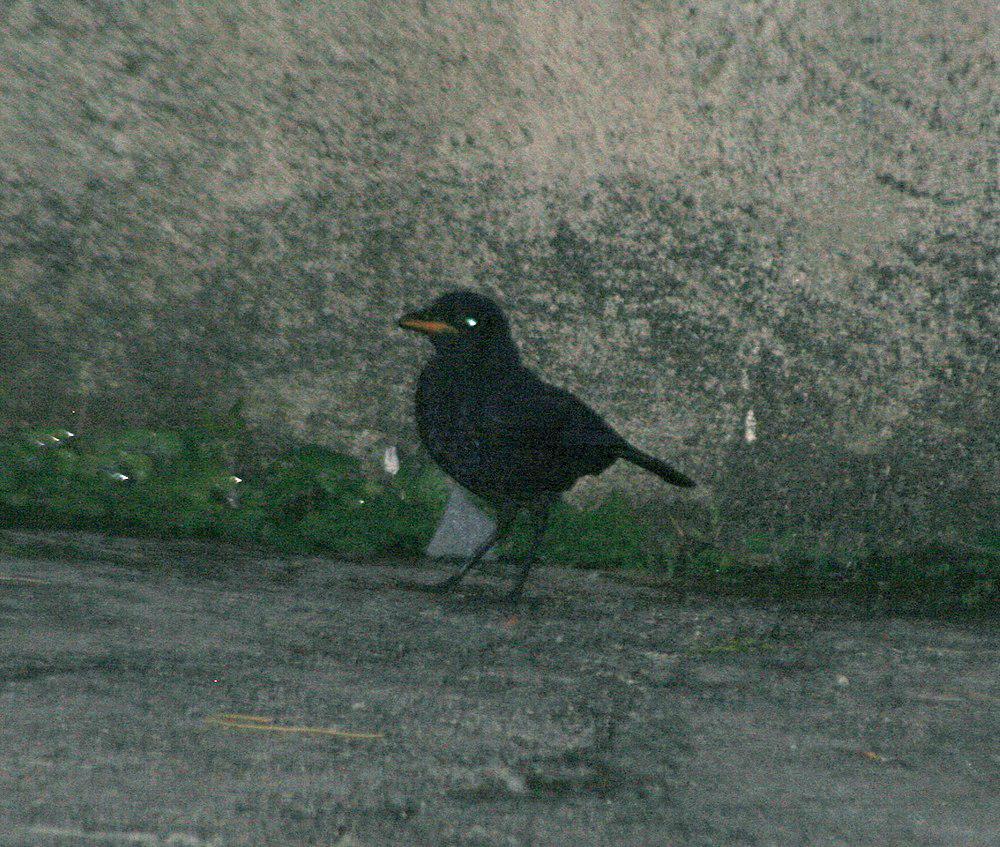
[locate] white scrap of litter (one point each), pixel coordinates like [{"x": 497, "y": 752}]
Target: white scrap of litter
[
  {"x": 750, "y": 427},
  {"x": 120, "y": 477},
  {"x": 390, "y": 461}
]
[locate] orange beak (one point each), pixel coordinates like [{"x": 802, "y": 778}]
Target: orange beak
[{"x": 420, "y": 324}]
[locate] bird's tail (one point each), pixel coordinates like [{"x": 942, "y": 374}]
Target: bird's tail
[{"x": 661, "y": 469}]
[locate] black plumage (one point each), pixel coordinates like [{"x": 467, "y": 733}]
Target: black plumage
[{"x": 500, "y": 431}]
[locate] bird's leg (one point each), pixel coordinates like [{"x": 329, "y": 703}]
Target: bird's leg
[
  {"x": 504, "y": 522},
  {"x": 540, "y": 513}
]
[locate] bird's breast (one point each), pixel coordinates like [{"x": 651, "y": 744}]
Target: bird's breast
[{"x": 448, "y": 413}]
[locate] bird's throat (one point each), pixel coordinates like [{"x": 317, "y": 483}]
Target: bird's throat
[{"x": 494, "y": 354}]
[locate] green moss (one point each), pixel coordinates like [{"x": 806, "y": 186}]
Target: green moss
[
  {"x": 44, "y": 481},
  {"x": 312, "y": 499},
  {"x": 938, "y": 579},
  {"x": 609, "y": 535}
]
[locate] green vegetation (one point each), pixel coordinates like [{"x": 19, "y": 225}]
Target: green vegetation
[
  {"x": 938, "y": 580},
  {"x": 609, "y": 535},
  {"x": 182, "y": 484}
]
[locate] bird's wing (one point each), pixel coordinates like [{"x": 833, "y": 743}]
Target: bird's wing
[
  {"x": 536, "y": 437},
  {"x": 542, "y": 414}
]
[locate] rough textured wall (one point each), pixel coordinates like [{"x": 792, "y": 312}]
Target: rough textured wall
[{"x": 691, "y": 209}]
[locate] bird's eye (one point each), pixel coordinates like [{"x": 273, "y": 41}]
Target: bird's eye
[{"x": 471, "y": 321}]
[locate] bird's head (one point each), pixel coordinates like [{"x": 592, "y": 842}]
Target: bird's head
[{"x": 461, "y": 321}]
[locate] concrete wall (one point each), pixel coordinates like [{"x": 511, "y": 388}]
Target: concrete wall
[{"x": 692, "y": 210}]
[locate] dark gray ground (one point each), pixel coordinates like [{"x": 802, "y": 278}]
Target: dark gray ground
[{"x": 599, "y": 713}]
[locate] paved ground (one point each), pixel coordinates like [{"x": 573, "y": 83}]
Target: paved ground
[{"x": 600, "y": 713}]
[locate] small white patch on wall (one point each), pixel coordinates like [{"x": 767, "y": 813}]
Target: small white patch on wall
[
  {"x": 750, "y": 419},
  {"x": 390, "y": 460}
]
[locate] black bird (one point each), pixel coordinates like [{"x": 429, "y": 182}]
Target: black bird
[{"x": 500, "y": 431}]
